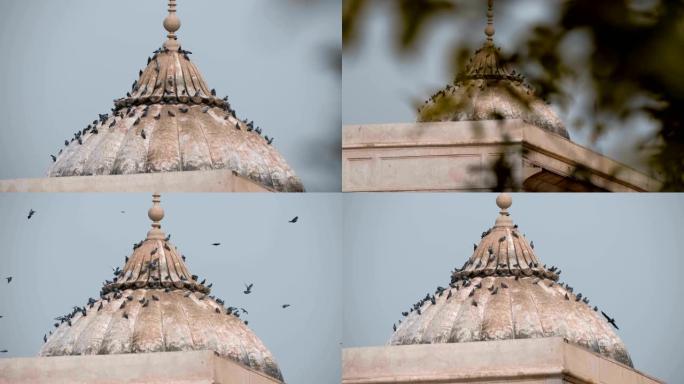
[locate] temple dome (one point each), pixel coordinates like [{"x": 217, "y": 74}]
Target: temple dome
[
  {"x": 489, "y": 90},
  {"x": 504, "y": 292},
  {"x": 171, "y": 120},
  {"x": 154, "y": 304}
]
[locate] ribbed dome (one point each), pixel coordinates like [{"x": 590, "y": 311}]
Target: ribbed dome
[
  {"x": 504, "y": 292},
  {"x": 172, "y": 121},
  {"x": 154, "y": 305},
  {"x": 489, "y": 90}
]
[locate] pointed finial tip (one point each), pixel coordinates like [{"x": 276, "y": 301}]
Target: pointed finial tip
[{"x": 504, "y": 201}]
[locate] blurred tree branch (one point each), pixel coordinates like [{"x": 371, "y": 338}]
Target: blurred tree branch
[{"x": 636, "y": 65}]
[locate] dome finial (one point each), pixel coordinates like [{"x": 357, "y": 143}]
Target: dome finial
[
  {"x": 156, "y": 214},
  {"x": 171, "y": 24},
  {"x": 504, "y": 201},
  {"x": 489, "y": 30}
]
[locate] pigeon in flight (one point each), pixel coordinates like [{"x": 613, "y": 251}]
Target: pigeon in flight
[
  {"x": 215, "y": 244},
  {"x": 9, "y": 279},
  {"x": 610, "y": 321},
  {"x": 294, "y": 219},
  {"x": 285, "y": 305},
  {"x": 249, "y": 289},
  {"x": 31, "y": 213}
]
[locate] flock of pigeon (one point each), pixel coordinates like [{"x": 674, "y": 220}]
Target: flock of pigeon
[
  {"x": 116, "y": 293},
  {"x": 464, "y": 282},
  {"x": 121, "y": 111}
]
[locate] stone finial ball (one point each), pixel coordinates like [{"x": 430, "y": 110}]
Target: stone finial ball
[
  {"x": 172, "y": 23},
  {"x": 156, "y": 213},
  {"x": 504, "y": 200},
  {"x": 489, "y": 30}
]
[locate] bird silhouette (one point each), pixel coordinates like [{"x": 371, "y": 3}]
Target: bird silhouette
[
  {"x": 3, "y": 351},
  {"x": 9, "y": 279},
  {"x": 53, "y": 158},
  {"x": 285, "y": 305},
  {"x": 610, "y": 321},
  {"x": 249, "y": 289},
  {"x": 294, "y": 219},
  {"x": 142, "y": 133},
  {"x": 215, "y": 244},
  {"x": 31, "y": 213}
]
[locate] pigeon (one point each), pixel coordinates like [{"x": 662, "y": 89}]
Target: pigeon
[
  {"x": 142, "y": 133},
  {"x": 394, "y": 327},
  {"x": 44, "y": 338},
  {"x": 610, "y": 321},
  {"x": 294, "y": 219},
  {"x": 66, "y": 142},
  {"x": 9, "y": 279},
  {"x": 215, "y": 244},
  {"x": 53, "y": 158},
  {"x": 285, "y": 305},
  {"x": 269, "y": 141},
  {"x": 532, "y": 244},
  {"x": 31, "y": 213},
  {"x": 249, "y": 289},
  {"x": 3, "y": 351}
]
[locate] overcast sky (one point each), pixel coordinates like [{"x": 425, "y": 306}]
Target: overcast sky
[
  {"x": 380, "y": 86},
  {"x": 57, "y": 262},
  {"x": 623, "y": 251},
  {"x": 65, "y": 61}
]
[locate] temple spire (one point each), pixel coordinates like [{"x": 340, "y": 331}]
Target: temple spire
[
  {"x": 171, "y": 24},
  {"x": 489, "y": 29}
]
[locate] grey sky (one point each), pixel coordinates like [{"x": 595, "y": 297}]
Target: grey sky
[
  {"x": 380, "y": 86},
  {"x": 65, "y": 61},
  {"x": 61, "y": 256},
  {"x": 621, "y": 250}
]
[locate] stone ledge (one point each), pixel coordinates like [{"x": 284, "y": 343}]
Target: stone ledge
[
  {"x": 396, "y": 157},
  {"x": 544, "y": 360},
  {"x": 194, "y": 367}
]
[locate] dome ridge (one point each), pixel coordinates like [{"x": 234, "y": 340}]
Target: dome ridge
[
  {"x": 504, "y": 292},
  {"x": 155, "y": 304},
  {"x": 488, "y": 89},
  {"x": 171, "y": 121}
]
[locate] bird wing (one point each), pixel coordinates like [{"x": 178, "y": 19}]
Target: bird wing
[{"x": 606, "y": 316}]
